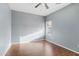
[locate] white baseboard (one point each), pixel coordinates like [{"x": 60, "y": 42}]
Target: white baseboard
[
  {"x": 27, "y": 42},
  {"x": 63, "y": 46},
  {"x": 7, "y": 49}
]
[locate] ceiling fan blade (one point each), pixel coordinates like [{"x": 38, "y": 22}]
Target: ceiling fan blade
[
  {"x": 37, "y": 5},
  {"x": 46, "y": 5}
]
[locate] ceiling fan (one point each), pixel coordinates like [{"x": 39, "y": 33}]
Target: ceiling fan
[
  {"x": 45, "y": 4},
  {"x": 41, "y": 4}
]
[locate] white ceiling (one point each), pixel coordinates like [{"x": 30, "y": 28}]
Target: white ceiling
[{"x": 41, "y": 10}]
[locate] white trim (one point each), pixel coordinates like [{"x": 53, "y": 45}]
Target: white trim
[
  {"x": 7, "y": 49},
  {"x": 27, "y": 42},
  {"x": 63, "y": 46},
  {"x": 15, "y": 43}
]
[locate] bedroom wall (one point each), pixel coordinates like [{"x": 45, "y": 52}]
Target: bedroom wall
[
  {"x": 26, "y": 27},
  {"x": 63, "y": 27},
  {"x": 5, "y": 28}
]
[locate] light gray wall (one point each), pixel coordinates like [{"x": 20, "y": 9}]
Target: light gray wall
[
  {"x": 24, "y": 24},
  {"x": 5, "y": 27},
  {"x": 65, "y": 27}
]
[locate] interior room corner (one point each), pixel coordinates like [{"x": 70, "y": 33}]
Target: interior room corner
[{"x": 39, "y": 29}]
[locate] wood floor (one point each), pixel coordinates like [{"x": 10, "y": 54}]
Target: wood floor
[{"x": 38, "y": 48}]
